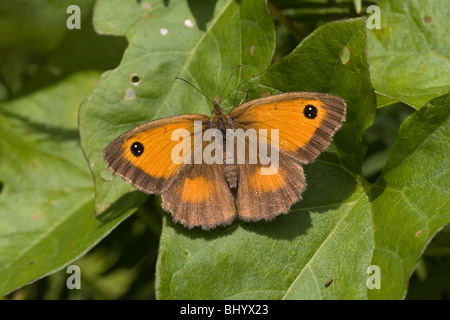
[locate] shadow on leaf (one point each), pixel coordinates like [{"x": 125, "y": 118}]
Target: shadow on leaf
[{"x": 202, "y": 11}]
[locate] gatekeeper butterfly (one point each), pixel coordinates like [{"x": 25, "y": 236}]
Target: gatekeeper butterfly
[{"x": 205, "y": 193}]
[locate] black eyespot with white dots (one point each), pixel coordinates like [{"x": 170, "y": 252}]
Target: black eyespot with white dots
[
  {"x": 310, "y": 111},
  {"x": 137, "y": 149}
]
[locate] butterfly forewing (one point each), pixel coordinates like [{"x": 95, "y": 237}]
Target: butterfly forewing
[
  {"x": 143, "y": 155},
  {"x": 306, "y": 121}
]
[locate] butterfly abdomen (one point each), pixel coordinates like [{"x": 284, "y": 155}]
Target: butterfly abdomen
[{"x": 230, "y": 170}]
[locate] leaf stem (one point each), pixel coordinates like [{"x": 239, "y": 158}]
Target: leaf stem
[{"x": 285, "y": 21}]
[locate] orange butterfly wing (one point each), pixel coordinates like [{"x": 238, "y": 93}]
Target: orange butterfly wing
[
  {"x": 306, "y": 122},
  {"x": 200, "y": 196},
  {"x": 266, "y": 196},
  {"x": 194, "y": 194},
  {"x": 151, "y": 169}
]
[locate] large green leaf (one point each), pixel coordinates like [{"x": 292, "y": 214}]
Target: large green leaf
[
  {"x": 410, "y": 202},
  {"x": 46, "y": 203},
  {"x": 201, "y": 43},
  {"x": 409, "y": 55},
  {"x": 293, "y": 256}
]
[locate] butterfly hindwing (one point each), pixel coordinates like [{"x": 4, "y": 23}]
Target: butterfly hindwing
[
  {"x": 200, "y": 196},
  {"x": 264, "y": 195}
]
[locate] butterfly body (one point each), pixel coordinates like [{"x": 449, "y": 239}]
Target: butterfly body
[
  {"x": 292, "y": 127},
  {"x": 219, "y": 119}
]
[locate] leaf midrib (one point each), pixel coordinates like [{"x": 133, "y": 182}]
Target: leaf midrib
[{"x": 307, "y": 265}]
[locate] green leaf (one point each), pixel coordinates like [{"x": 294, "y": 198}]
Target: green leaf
[
  {"x": 27, "y": 41},
  {"x": 293, "y": 256},
  {"x": 38, "y": 50},
  {"x": 431, "y": 277},
  {"x": 410, "y": 202},
  {"x": 409, "y": 56},
  {"x": 46, "y": 203},
  {"x": 202, "y": 44},
  {"x": 333, "y": 61}
]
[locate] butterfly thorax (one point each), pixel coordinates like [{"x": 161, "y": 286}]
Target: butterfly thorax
[{"x": 219, "y": 119}]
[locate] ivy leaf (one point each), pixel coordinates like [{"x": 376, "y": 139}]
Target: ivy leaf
[{"x": 409, "y": 56}]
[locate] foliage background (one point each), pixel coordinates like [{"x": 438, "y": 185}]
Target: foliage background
[{"x": 44, "y": 65}]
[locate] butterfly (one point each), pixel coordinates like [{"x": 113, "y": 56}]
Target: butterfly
[{"x": 161, "y": 157}]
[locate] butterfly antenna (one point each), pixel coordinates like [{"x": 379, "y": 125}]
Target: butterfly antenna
[
  {"x": 226, "y": 85},
  {"x": 214, "y": 103},
  {"x": 237, "y": 88}
]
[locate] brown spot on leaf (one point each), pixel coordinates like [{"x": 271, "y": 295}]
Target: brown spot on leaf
[
  {"x": 253, "y": 49},
  {"x": 37, "y": 216},
  {"x": 265, "y": 94},
  {"x": 129, "y": 94},
  {"x": 345, "y": 55}
]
